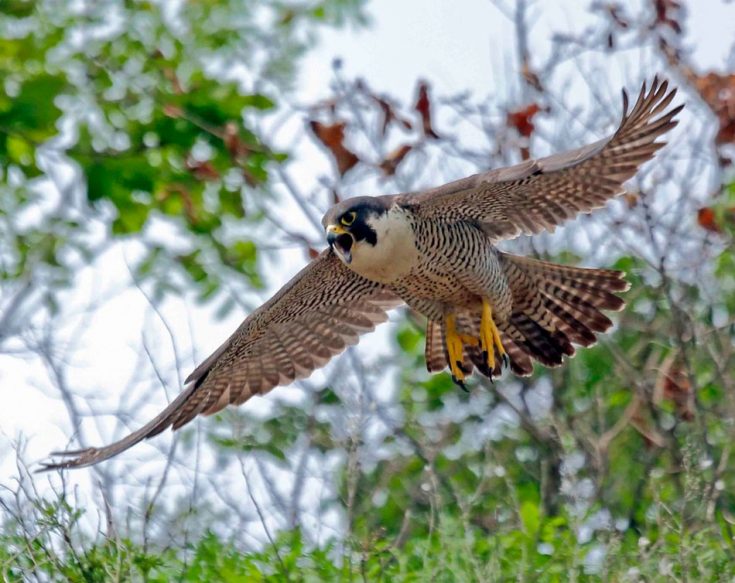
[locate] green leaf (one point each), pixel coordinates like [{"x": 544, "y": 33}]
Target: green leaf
[
  {"x": 33, "y": 112},
  {"x": 130, "y": 219},
  {"x": 409, "y": 338},
  {"x": 258, "y": 101},
  {"x": 530, "y": 517},
  {"x": 117, "y": 178}
]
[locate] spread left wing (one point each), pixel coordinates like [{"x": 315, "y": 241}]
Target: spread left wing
[
  {"x": 540, "y": 194},
  {"x": 314, "y": 317}
]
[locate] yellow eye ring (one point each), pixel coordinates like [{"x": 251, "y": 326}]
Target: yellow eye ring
[{"x": 348, "y": 218}]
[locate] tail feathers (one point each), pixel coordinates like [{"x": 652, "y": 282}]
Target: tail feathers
[
  {"x": 554, "y": 307},
  {"x": 435, "y": 352},
  {"x": 548, "y": 346},
  {"x": 557, "y": 305}
]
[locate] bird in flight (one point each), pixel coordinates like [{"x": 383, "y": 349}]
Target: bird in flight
[{"x": 435, "y": 251}]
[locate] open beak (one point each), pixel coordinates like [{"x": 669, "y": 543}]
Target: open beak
[{"x": 341, "y": 240}]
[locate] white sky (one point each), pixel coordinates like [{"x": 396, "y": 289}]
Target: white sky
[{"x": 454, "y": 45}]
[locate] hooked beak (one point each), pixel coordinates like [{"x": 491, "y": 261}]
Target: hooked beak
[{"x": 341, "y": 240}]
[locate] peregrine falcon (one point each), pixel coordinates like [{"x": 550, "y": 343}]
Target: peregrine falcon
[{"x": 435, "y": 251}]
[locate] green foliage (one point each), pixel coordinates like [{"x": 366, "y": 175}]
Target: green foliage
[
  {"x": 452, "y": 550},
  {"x": 207, "y": 559},
  {"x": 158, "y": 127}
]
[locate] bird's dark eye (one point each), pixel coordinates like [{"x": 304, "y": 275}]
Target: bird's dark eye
[{"x": 348, "y": 218}]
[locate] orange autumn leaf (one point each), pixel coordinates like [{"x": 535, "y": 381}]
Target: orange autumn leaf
[
  {"x": 708, "y": 220},
  {"x": 392, "y": 160},
  {"x": 522, "y": 119},
  {"x": 332, "y": 136}
]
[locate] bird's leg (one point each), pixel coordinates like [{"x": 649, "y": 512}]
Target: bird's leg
[
  {"x": 455, "y": 349},
  {"x": 490, "y": 337}
]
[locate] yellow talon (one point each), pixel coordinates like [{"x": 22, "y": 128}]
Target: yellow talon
[
  {"x": 490, "y": 336},
  {"x": 454, "y": 349}
]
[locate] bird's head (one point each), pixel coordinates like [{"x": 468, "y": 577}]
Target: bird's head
[{"x": 351, "y": 225}]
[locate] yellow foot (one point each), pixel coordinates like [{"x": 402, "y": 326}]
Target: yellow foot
[
  {"x": 490, "y": 337},
  {"x": 468, "y": 340},
  {"x": 455, "y": 349}
]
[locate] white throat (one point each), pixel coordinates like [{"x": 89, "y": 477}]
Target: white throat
[{"x": 394, "y": 254}]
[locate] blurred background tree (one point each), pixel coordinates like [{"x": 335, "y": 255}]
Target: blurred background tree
[{"x": 161, "y": 140}]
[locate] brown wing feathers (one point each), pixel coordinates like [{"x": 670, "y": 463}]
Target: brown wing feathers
[
  {"x": 314, "y": 317},
  {"x": 540, "y": 194}
]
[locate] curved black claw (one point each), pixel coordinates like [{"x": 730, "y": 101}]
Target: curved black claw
[
  {"x": 462, "y": 367},
  {"x": 506, "y": 360},
  {"x": 460, "y": 384}
]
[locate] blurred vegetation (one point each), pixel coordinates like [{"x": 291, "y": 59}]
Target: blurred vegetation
[
  {"x": 142, "y": 100},
  {"x": 618, "y": 466}
]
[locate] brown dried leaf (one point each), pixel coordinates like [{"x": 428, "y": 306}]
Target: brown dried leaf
[
  {"x": 718, "y": 91},
  {"x": 668, "y": 14},
  {"x": 202, "y": 170},
  {"x": 392, "y": 160},
  {"x": 645, "y": 427},
  {"x": 530, "y": 76},
  {"x": 614, "y": 11},
  {"x": 390, "y": 115},
  {"x": 631, "y": 199},
  {"x": 234, "y": 144},
  {"x": 708, "y": 220},
  {"x": 332, "y": 136},
  {"x": 423, "y": 106},
  {"x": 673, "y": 385}
]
